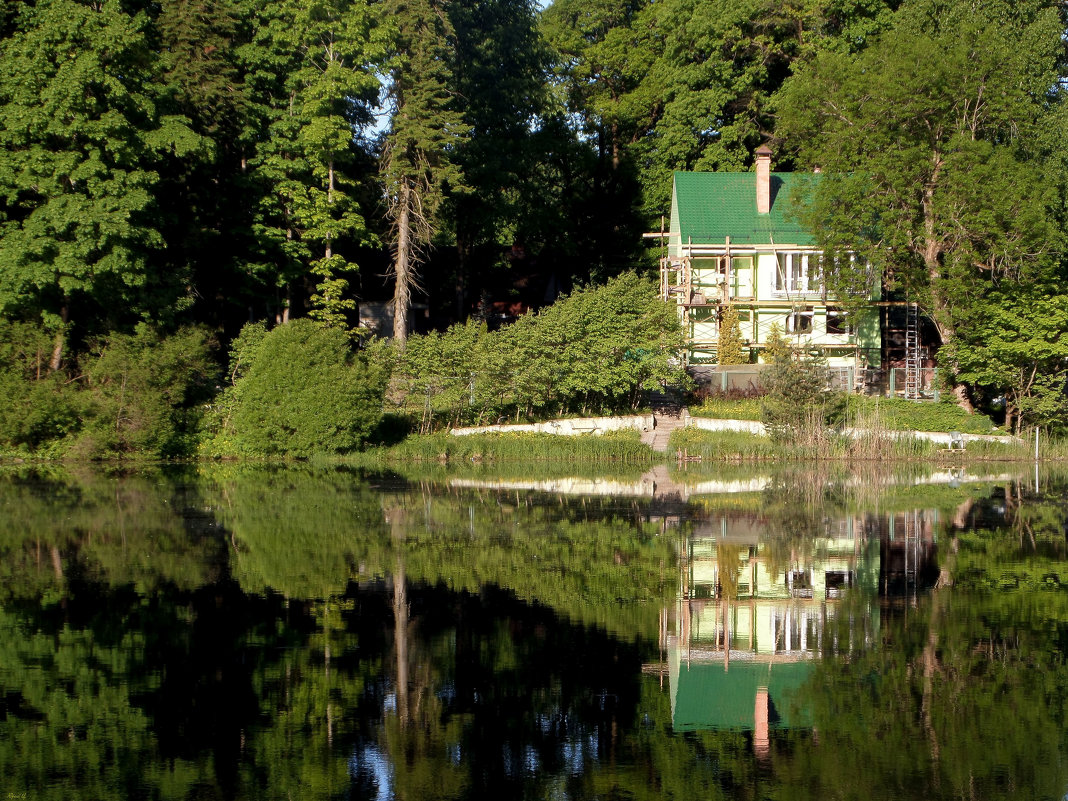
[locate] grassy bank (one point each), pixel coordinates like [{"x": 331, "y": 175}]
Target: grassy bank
[
  {"x": 720, "y": 446},
  {"x": 622, "y": 447},
  {"x": 894, "y": 414},
  {"x": 730, "y": 446}
]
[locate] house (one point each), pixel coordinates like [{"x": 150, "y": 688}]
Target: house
[
  {"x": 752, "y": 617},
  {"x": 734, "y": 240},
  {"x": 754, "y": 612}
]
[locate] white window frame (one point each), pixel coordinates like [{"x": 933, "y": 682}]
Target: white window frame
[{"x": 798, "y": 272}]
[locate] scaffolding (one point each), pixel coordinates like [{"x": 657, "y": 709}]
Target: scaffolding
[{"x": 913, "y": 357}]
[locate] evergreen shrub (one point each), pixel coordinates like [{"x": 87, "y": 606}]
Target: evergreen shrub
[
  {"x": 299, "y": 390},
  {"x": 798, "y": 407}
]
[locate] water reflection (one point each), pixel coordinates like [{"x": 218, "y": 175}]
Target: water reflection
[
  {"x": 756, "y": 606},
  {"x": 294, "y": 633}
]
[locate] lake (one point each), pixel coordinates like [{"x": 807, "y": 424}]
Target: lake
[{"x": 236, "y": 632}]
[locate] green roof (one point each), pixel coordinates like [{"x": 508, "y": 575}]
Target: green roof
[
  {"x": 711, "y": 206},
  {"x": 707, "y": 697}
]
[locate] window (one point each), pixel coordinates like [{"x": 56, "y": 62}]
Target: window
[
  {"x": 799, "y": 322},
  {"x": 799, "y": 272},
  {"x": 742, "y": 277},
  {"x": 836, "y": 321}
]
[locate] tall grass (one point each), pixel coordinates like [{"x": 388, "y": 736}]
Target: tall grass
[
  {"x": 884, "y": 414},
  {"x": 723, "y": 446},
  {"x": 723, "y": 408},
  {"x": 621, "y": 447},
  {"x": 874, "y": 446}
]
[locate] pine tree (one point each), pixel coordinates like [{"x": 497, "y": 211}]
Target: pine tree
[
  {"x": 312, "y": 65},
  {"x": 730, "y": 349},
  {"x": 425, "y": 129}
]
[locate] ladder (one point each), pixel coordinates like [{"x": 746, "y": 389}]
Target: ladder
[{"x": 912, "y": 351}]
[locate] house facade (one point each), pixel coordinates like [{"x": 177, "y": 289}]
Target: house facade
[{"x": 734, "y": 240}]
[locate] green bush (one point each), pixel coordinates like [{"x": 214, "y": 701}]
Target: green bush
[
  {"x": 38, "y": 406},
  {"x": 145, "y": 393},
  {"x": 898, "y": 414},
  {"x": 140, "y": 393},
  {"x": 597, "y": 351},
  {"x": 798, "y": 408},
  {"x": 304, "y": 392}
]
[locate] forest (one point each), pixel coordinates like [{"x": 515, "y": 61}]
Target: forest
[{"x": 173, "y": 171}]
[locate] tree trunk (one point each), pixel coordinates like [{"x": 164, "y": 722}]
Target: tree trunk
[
  {"x": 396, "y": 518},
  {"x": 962, "y": 397},
  {"x": 932, "y": 253},
  {"x": 400, "y": 639},
  {"x": 57, "y": 351},
  {"x": 462, "y": 259},
  {"x": 402, "y": 294},
  {"x": 329, "y": 250}
]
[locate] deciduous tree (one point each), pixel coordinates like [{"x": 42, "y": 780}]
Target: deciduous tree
[
  {"x": 80, "y": 128},
  {"x": 935, "y": 175}
]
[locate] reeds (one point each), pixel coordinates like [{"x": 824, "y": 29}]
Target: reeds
[
  {"x": 723, "y": 446},
  {"x": 614, "y": 447}
]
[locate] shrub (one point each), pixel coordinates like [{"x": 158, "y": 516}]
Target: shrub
[
  {"x": 730, "y": 349},
  {"x": 906, "y": 415},
  {"x": 798, "y": 407},
  {"x": 597, "y": 351},
  {"x": 304, "y": 392},
  {"x": 145, "y": 393},
  {"x": 38, "y": 406}
]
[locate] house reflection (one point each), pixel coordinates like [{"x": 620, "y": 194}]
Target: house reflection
[{"x": 756, "y": 607}]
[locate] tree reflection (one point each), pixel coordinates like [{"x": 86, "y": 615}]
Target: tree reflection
[{"x": 263, "y": 633}]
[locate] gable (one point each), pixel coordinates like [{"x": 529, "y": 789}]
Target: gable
[{"x": 708, "y": 207}]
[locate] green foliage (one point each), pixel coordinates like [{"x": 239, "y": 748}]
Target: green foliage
[
  {"x": 419, "y": 166},
  {"x": 304, "y": 392},
  {"x": 145, "y": 393},
  {"x": 499, "y": 77},
  {"x": 213, "y": 162},
  {"x": 80, "y": 132},
  {"x": 972, "y": 128},
  {"x": 311, "y": 77},
  {"x": 888, "y": 414},
  {"x": 39, "y": 406},
  {"x": 137, "y": 394},
  {"x": 1016, "y": 344},
  {"x": 798, "y": 407},
  {"x": 729, "y": 349},
  {"x": 685, "y": 84},
  {"x": 596, "y": 351},
  {"x": 898, "y": 414},
  {"x": 618, "y": 446}
]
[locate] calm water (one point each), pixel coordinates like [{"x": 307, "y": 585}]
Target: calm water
[{"x": 305, "y": 634}]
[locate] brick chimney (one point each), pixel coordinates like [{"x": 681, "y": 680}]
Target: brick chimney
[{"x": 763, "y": 179}]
